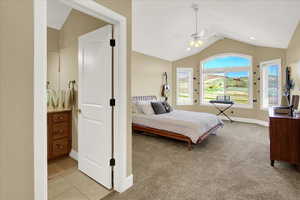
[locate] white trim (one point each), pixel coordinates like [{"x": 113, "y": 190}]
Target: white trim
[
  {"x": 128, "y": 182},
  {"x": 201, "y": 77},
  {"x": 74, "y": 154},
  {"x": 94, "y": 9},
  {"x": 40, "y": 102},
  {"x": 247, "y": 120},
  {"x": 275, "y": 61},
  {"x": 191, "y": 84}
]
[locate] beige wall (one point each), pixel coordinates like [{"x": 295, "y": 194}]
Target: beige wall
[
  {"x": 293, "y": 51},
  {"x": 259, "y": 54},
  {"x": 16, "y": 91},
  {"x": 53, "y": 58},
  {"x": 293, "y": 59},
  {"x": 147, "y": 75},
  {"x": 52, "y": 40},
  {"x": 16, "y": 100}
]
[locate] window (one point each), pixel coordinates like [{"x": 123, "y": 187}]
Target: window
[
  {"x": 270, "y": 73},
  {"x": 184, "y": 85},
  {"x": 229, "y": 75}
]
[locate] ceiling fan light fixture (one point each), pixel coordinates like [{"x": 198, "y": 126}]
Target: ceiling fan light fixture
[
  {"x": 197, "y": 38},
  {"x": 192, "y": 43},
  {"x": 200, "y": 42}
]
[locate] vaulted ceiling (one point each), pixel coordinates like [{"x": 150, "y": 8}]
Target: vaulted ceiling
[{"x": 162, "y": 28}]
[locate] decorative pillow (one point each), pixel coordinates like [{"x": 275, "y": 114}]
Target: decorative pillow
[
  {"x": 134, "y": 107},
  {"x": 158, "y": 107},
  {"x": 167, "y": 106},
  {"x": 145, "y": 107}
]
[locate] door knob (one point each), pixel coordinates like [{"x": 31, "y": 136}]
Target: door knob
[{"x": 79, "y": 111}]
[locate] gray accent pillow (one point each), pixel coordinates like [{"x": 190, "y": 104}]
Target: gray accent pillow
[
  {"x": 167, "y": 106},
  {"x": 158, "y": 107}
]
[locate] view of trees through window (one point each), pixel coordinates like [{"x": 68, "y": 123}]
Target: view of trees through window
[{"x": 227, "y": 75}]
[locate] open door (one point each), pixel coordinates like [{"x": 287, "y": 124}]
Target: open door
[{"x": 95, "y": 112}]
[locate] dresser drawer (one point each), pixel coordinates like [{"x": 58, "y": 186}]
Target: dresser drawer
[
  {"x": 59, "y": 133},
  {"x": 60, "y": 130},
  {"x": 60, "y": 147},
  {"x": 60, "y": 117}
]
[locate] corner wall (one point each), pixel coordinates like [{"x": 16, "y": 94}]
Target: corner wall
[
  {"x": 293, "y": 60},
  {"x": 259, "y": 54}
]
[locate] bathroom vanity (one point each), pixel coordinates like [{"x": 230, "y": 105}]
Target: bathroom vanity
[{"x": 59, "y": 133}]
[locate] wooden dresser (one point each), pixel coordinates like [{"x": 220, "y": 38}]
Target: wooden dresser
[
  {"x": 59, "y": 133},
  {"x": 284, "y": 138}
]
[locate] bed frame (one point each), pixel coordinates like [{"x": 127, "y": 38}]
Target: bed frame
[{"x": 164, "y": 133}]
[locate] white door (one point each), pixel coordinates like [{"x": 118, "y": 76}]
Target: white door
[{"x": 95, "y": 116}]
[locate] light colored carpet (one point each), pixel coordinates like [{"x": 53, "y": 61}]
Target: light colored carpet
[{"x": 233, "y": 165}]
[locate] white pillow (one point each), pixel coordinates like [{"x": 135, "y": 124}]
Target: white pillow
[
  {"x": 145, "y": 107},
  {"x": 134, "y": 107}
]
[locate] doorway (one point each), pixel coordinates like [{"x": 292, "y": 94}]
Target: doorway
[
  {"x": 79, "y": 78},
  {"x": 121, "y": 181}
]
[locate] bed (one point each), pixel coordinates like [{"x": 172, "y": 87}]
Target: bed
[{"x": 187, "y": 126}]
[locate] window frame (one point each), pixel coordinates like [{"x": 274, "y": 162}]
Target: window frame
[
  {"x": 191, "y": 83},
  {"x": 261, "y": 67},
  {"x": 226, "y": 70}
]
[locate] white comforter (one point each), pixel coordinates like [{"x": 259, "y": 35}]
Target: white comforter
[{"x": 190, "y": 124}]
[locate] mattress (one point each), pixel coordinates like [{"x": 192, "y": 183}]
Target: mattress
[{"x": 187, "y": 123}]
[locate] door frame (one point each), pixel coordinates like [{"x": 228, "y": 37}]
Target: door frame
[{"x": 121, "y": 181}]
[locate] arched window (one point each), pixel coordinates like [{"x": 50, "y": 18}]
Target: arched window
[{"x": 227, "y": 74}]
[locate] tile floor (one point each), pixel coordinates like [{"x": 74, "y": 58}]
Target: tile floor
[{"x": 66, "y": 182}]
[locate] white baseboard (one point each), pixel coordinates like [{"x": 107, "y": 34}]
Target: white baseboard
[
  {"x": 74, "y": 154},
  {"x": 127, "y": 183},
  {"x": 247, "y": 120}
]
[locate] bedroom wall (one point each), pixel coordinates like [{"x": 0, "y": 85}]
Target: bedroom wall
[
  {"x": 16, "y": 100},
  {"x": 293, "y": 59},
  {"x": 259, "y": 54},
  {"x": 147, "y": 75},
  {"x": 293, "y": 51}
]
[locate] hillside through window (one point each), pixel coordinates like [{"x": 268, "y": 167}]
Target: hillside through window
[{"x": 227, "y": 75}]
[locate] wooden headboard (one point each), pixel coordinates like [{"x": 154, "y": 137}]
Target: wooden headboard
[{"x": 144, "y": 98}]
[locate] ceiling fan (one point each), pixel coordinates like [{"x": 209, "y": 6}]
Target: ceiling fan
[{"x": 197, "y": 38}]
